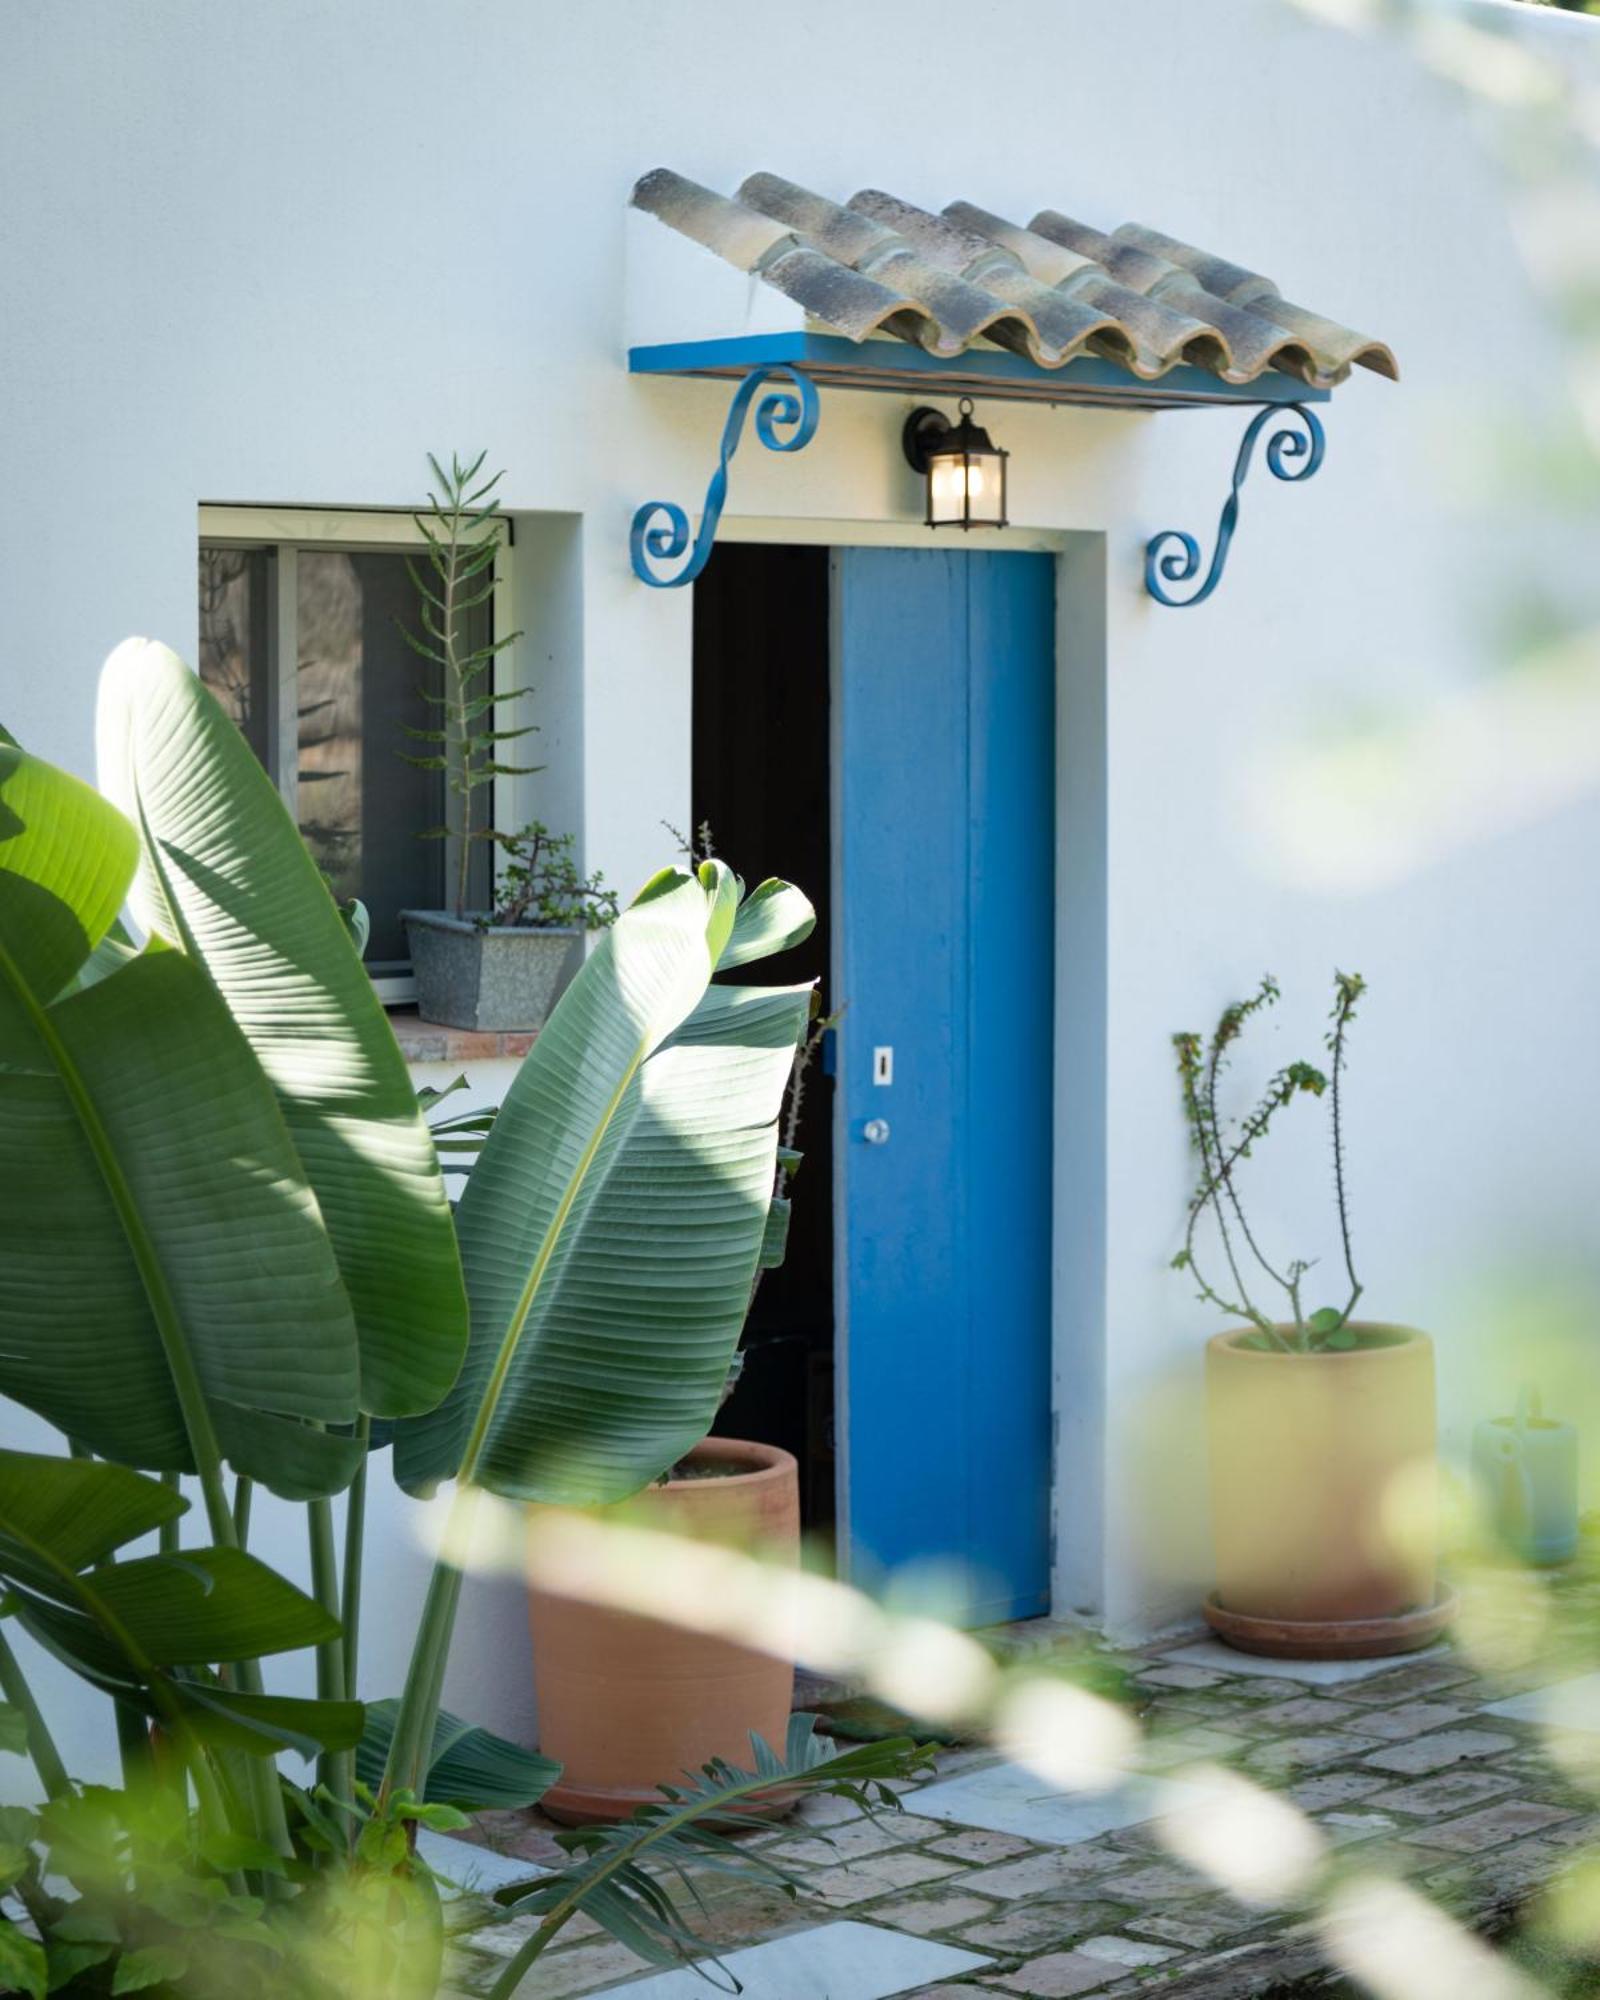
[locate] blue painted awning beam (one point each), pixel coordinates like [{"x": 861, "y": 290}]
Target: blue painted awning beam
[{"x": 896, "y": 367}]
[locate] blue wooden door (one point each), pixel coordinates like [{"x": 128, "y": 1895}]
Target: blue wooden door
[{"x": 944, "y": 698}]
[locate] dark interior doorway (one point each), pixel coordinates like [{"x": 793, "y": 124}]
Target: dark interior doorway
[{"x": 761, "y": 783}]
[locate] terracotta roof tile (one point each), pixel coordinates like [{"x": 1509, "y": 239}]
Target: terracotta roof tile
[{"x": 1051, "y": 291}]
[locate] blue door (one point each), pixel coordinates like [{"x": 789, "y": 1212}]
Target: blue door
[{"x": 944, "y": 701}]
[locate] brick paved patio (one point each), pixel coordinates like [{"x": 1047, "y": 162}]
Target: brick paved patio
[{"x": 1406, "y": 1770}]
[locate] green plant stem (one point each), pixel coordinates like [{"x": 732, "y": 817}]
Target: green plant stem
[
  {"x": 213, "y": 1807},
  {"x": 407, "y": 1766},
  {"x": 1226, "y": 1163},
  {"x": 244, "y": 1489},
  {"x": 1211, "y": 1159},
  {"x": 167, "y": 1533},
  {"x": 41, "y": 1745},
  {"x": 133, "y": 1745},
  {"x": 1205, "y": 1196},
  {"x": 1222, "y": 1177},
  {"x": 133, "y": 1726},
  {"x": 1302, "y": 1333},
  {"x": 1342, "y": 1010},
  {"x": 335, "y": 1768},
  {"x": 355, "y": 1527},
  {"x": 266, "y": 1795}
]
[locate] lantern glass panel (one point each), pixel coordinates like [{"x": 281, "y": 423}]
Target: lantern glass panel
[{"x": 966, "y": 488}]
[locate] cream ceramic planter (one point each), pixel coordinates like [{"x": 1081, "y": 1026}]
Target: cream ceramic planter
[{"x": 1324, "y": 1494}]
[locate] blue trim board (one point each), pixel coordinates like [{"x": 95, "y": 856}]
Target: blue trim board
[{"x": 897, "y": 367}]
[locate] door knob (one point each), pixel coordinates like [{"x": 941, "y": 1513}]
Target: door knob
[{"x": 876, "y": 1131}]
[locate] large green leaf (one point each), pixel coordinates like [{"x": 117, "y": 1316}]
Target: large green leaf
[
  {"x": 210, "y": 1604},
  {"x": 263, "y": 1724},
  {"x": 611, "y": 1227},
  {"x": 81, "y": 1510},
  {"x": 225, "y": 876},
  {"x": 66, "y": 859},
  {"x": 772, "y": 917},
  {"x": 173, "y": 1610},
  {"x": 157, "y": 1226},
  {"x": 122, "y": 1625},
  {"x": 297, "y": 1460},
  {"x": 22, "y": 1963},
  {"x": 468, "y": 1767}
]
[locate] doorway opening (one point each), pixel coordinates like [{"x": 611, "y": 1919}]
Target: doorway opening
[
  {"x": 761, "y": 785},
  {"x": 877, "y": 724}
]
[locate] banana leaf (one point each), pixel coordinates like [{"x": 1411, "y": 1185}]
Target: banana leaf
[
  {"x": 126, "y": 1626},
  {"x": 772, "y": 917},
  {"x": 468, "y": 1767},
  {"x": 612, "y": 1225},
  {"x": 225, "y": 877},
  {"x": 164, "y": 1253}
]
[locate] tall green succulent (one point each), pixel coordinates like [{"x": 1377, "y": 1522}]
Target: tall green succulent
[{"x": 461, "y": 529}]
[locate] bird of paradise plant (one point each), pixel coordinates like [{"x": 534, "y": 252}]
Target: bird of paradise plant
[{"x": 230, "y": 1258}]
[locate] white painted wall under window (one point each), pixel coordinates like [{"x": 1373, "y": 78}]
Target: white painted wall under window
[{"x": 238, "y": 264}]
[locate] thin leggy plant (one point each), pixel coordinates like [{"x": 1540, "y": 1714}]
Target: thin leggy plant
[{"x": 1201, "y": 1065}]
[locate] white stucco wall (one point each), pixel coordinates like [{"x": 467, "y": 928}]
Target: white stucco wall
[{"x": 239, "y": 261}]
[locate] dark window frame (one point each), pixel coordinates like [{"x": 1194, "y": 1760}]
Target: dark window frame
[{"x": 281, "y": 536}]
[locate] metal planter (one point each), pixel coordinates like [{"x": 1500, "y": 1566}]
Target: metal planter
[{"x": 497, "y": 977}]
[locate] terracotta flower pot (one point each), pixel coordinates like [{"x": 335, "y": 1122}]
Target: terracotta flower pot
[
  {"x": 1323, "y": 1495},
  {"x": 628, "y": 1703}
]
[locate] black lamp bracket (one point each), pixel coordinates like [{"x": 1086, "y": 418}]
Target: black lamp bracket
[{"x": 923, "y": 429}]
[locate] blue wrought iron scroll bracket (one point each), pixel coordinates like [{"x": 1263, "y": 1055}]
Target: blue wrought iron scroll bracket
[
  {"x": 1291, "y": 454},
  {"x": 793, "y": 409}
]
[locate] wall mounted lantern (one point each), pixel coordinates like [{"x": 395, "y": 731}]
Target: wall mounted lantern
[{"x": 964, "y": 469}]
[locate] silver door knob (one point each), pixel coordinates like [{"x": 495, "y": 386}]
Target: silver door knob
[{"x": 876, "y": 1131}]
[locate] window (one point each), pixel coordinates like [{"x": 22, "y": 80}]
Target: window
[{"x": 301, "y": 640}]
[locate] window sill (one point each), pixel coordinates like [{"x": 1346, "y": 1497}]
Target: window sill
[{"x": 426, "y": 1041}]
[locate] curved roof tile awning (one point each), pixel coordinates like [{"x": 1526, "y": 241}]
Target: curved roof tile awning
[{"x": 1053, "y": 292}]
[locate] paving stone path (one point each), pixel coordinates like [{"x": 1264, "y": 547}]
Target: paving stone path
[{"x": 1408, "y": 1769}]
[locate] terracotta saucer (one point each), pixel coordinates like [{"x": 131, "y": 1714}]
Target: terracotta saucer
[{"x": 1333, "y": 1638}]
